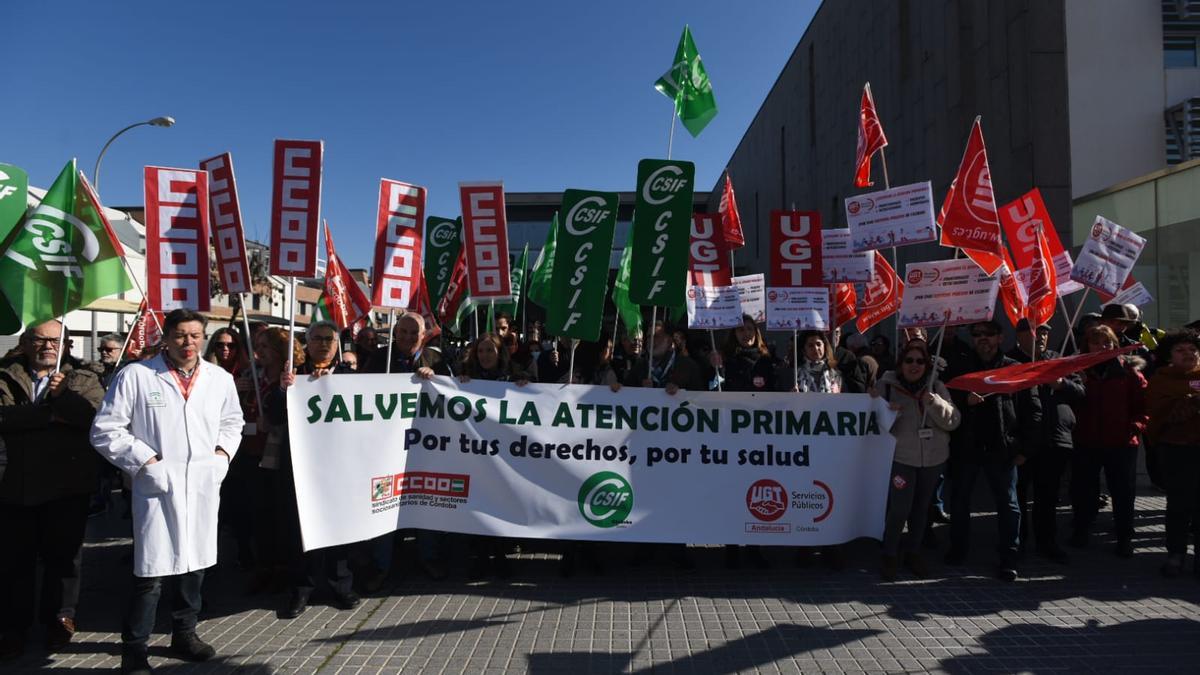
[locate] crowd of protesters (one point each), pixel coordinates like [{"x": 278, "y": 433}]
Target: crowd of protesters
[{"x": 221, "y": 428}]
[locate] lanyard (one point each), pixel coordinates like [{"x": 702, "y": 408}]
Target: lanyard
[{"x": 186, "y": 384}]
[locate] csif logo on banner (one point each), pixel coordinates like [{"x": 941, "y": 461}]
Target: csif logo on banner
[{"x": 606, "y": 499}]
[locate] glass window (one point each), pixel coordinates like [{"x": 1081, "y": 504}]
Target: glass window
[{"x": 1179, "y": 51}]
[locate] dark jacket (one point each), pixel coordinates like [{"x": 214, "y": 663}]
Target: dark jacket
[
  {"x": 427, "y": 357},
  {"x": 749, "y": 371},
  {"x": 1112, "y": 413},
  {"x": 684, "y": 372},
  {"x": 1058, "y": 417},
  {"x": 856, "y": 376},
  {"x": 1000, "y": 428},
  {"x": 49, "y": 454},
  {"x": 1173, "y": 402}
]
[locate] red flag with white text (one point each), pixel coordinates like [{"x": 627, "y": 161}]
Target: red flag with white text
[
  {"x": 1012, "y": 295},
  {"x": 296, "y": 207},
  {"x": 177, "y": 253},
  {"x": 731, "y": 221},
  {"x": 485, "y": 239},
  {"x": 145, "y": 332},
  {"x": 1042, "y": 284},
  {"x": 708, "y": 253},
  {"x": 796, "y": 250},
  {"x": 870, "y": 138},
  {"x": 399, "y": 237},
  {"x": 968, "y": 216},
  {"x": 456, "y": 290},
  {"x": 228, "y": 236},
  {"x": 882, "y": 297},
  {"x": 842, "y": 299},
  {"x": 1020, "y": 376},
  {"x": 347, "y": 303}
]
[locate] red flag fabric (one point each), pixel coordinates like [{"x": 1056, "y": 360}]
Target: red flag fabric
[
  {"x": 347, "y": 301},
  {"x": 1012, "y": 294},
  {"x": 144, "y": 333},
  {"x": 731, "y": 222},
  {"x": 708, "y": 253},
  {"x": 1025, "y": 375},
  {"x": 968, "y": 216},
  {"x": 882, "y": 297},
  {"x": 841, "y": 302},
  {"x": 1042, "y": 285},
  {"x": 456, "y": 288},
  {"x": 870, "y": 138}
]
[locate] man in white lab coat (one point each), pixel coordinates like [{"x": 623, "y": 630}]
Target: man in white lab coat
[{"x": 172, "y": 423}]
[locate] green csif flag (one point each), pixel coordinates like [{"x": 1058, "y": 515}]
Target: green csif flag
[
  {"x": 64, "y": 256},
  {"x": 661, "y": 232},
  {"x": 687, "y": 84},
  {"x": 443, "y": 238},
  {"x": 516, "y": 275},
  {"x": 543, "y": 268},
  {"x": 14, "y": 197},
  {"x": 630, "y": 313},
  {"x": 582, "y": 251}
]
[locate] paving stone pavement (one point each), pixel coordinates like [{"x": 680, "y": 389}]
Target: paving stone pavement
[{"x": 1100, "y": 613}]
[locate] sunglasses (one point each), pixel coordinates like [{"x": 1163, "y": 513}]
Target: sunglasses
[{"x": 912, "y": 361}]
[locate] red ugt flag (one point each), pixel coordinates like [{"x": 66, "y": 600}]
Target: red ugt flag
[
  {"x": 842, "y": 300},
  {"x": 1013, "y": 298},
  {"x": 1043, "y": 283},
  {"x": 347, "y": 301},
  {"x": 968, "y": 217},
  {"x": 870, "y": 138},
  {"x": 883, "y": 295},
  {"x": 731, "y": 222}
]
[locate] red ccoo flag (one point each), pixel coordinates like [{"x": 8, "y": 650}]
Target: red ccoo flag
[
  {"x": 870, "y": 138},
  {"x": 346, "y": 299},
  {"x": 968, "y": 217},
  {"x": 1042, "y": 285},
  {"x": 731, "y": 222}
]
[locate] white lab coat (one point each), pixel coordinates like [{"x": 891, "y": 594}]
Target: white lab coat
[{"x": 175, "y": 500}]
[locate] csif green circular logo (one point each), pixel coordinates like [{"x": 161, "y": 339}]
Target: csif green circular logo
[{"x": 606, "y": 499}]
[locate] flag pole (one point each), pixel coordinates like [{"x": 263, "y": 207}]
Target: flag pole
[
  {"x": 391, "y": 337},
  {"x": 795, "y": 359},
  {"x": 933, "y": 365},
  {"x": 712, "y": 336},
  {"x": 133, "y": 277},
  {"x": 571, "y": 367},
  {"x": 887, "y": 185},
  {"x": 1074, "y": 318},
  {"x": 1070, "y": 329},
  {"x": 291, "y": 327},
  {"x": 62, "y": 337},
  {"x": 674, "y": 114},
  {"x": 250, "y": 351},
  {"x": 125, "y": 347}
]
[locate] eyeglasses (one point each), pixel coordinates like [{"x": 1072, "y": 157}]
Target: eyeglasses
[
  {"x": 910, "y": 361},
  {"x": 108, "y": 350},
  {"x": 39, "y": 341}
]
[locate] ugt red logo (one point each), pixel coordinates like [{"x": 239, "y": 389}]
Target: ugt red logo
[{"x": 766, "y": 500}]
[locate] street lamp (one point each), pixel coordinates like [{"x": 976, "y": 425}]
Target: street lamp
[{"x": 156, "y": 122}]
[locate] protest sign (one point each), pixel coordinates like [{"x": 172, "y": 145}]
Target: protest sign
[
  {"x": 1021, "y": 219},
  {"x": 177, "y": 260},
  {"x": 661, "y": 232},
  {"x": 900, "y": 216},
  {"x": 951, "y": 292},
  {"x": 225, "y": 212},
  {"x": 582, "y": 250},
  {"x": 795, "y": 249},
  {"x": 443, "y": 239},
  {"x": 1134, "y": 294},
  {"x": 713, "y": 307},
  {"x": 797, "y": 308},
  {"x": 376, "y": 453},
  {"x": 840, "y": 262},
  {"x": 296, "y": 207},
  {"x": 399, "y": 241},
  {"x": 708, "y": 253},
  {"x": 485, "y": 230},
  {"x": 1107, "y": 257},
  {"x": 751, "y": 289},
  {"x": 881, "y": 296}
]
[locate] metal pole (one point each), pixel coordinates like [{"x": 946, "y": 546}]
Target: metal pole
[
  {"x": 134, "y": 278},
  {"x": 250, "y": 352},
  {"x": 712, "y": 336},
  {"x": 933, "y": 365},
  {"x": 96, "y": 169},
  {"x": 1070, "y": 329},
  {"x": 887, "y": 184},
  {"x": 125, "y": 346},
  {"x": 1075, "y": 317},
  {"x": 795, "y": 359},
  {"x": 291, "y": 326},
  {"x": 571, "y": 366},
  {"x": 391, "y": 338},
  {"x": 674, "y": 114}
]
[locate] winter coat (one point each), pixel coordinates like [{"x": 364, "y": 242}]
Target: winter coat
[
  {"x": 941, "y": 419},
  {"x": 1058, "y": 417},
  {"x": 175, "y": 500},
  {"x": 743, "y": 373},
  {"x": 1112, "y": 413},
  {"x": 683, "y": 371},
  {"x": 1173, "y": 403},
  {"x": 426, "y": 358},
  {"x": 49, "y": 456},
  {"x": 1002, "y": 426}
]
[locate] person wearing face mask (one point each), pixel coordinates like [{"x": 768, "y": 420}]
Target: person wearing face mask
[
  {"x": 926, "y": 416},
  {"x": 1173, "y": 402},
  {"x": 1043, "y": 471},
  {"x": 998, "y": 432},
  {"x": 1111, "y": 418}
]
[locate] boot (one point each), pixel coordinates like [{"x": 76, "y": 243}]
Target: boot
[{"x": 189, "y": 647}]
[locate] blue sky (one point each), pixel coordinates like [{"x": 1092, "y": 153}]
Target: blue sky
[{"x": 544, "y": 95}]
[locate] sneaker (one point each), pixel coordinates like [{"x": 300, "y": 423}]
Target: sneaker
[
  {"x": 1124, "y": 549},
  {"x": 1173, "y": 567},
  {"x": 889, "y": 569},
  {"x": 1006, "y": 572},
  {"x": 134, "y": 661},
  {"x": 59, "y": 633},
  {"x": 917, "y": 565},
  {"x": 189, "y": 647}
]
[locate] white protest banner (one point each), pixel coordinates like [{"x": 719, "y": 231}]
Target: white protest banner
[
  {"x": 296, "y": 207},
  {"x": 485, "y": 239},
  {"x": 952, "y": 292},
  {"x": 713, "y": 307},
  {"x": 751, "y": 289},
  {"x": 399, "y": 242},
  {"x": 1107, "y": 256},
  {"x": 229, "y": 240},
  {"x": 1134, "y": 294},
  {"x": 897, "y": 217},
  {"x": 840, "y": 262},
  {"x": 376, "y": 453},
  {"x": 177, "y": 253},
  {"x": 797, "y": 308}
]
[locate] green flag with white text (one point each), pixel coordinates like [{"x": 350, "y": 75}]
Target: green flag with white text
[
  {"x": 687, "y": 84},
  {"x": 443, "y": 238},
  {"x": 582, "y": 251},
  {"x": 14, "y": 197},
  {"x": 64, "y": 256},
  {"x": 630, "y": 313},
  {"x": 543, "y": 268},
  {"x": 661, "y": 232}
]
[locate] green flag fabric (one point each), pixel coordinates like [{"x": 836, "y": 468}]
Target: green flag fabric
[
  {"x": 543, "y": 268},
  {"x": 64, "y": 256},
  {"x": 687, "y": 84},
  {"x": 661, "y": 232},
  {"x": 321, "y": 309},
  {"x": 516, "y": 275},
  {"x": 443, "y": 238},
  {"x": 14, "y": 197},
  {"x": 582, "y": 251},
  {"x": 630, "y": 313}
]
